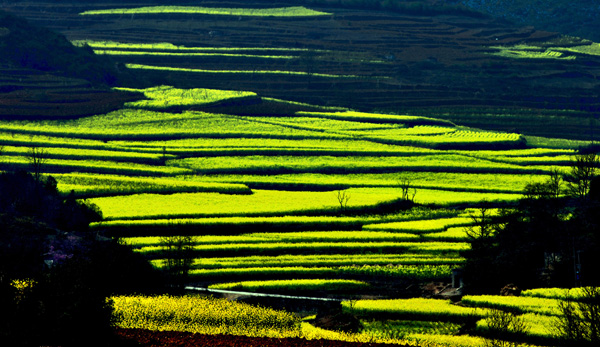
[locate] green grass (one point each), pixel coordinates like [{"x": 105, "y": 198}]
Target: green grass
[
  {"x": 253, "y": 164},
  {"x": 165, "y": 46},
  {"x": 321, "y": 260},
  {"x": 415, "y": 309},
  {"x": 191, "y": 54},
  {"x": 273, "y": 248},
  {"x": 261, "y": 202},
  {"x": 297, "y": 11},
  {"x": 165, "y": 97},
  {"x": 94, "y": 185},
  {"x": 295, "y": 286},
  {"x": 514, "y": 303},
  {"x": 257, "y": 72}
]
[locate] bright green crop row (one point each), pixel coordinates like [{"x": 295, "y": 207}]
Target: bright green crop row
[
  {"x": 319, "y": 260},
  {"x": 95, "y": 166},
  {"x": 350, "y": 164},
  {"x": 315, "y": 247},
  {"x": 296, "y": 11},
  {"x": 166, "y": 96},
  {"x": 239, "y": 225},
  {"x": 420, "y": 226},
  {"x": 452, "y": 234},
  {"x": 306, "y": 236},
  {"x": 536, "y": 325},
  {"x": 89, "y": 154},
  {"x": 165, "y": 46},
  {"x": 94, "y": 185},
  {"x": 415, "y": 272},
  {"x": 377, "y": 118},
  {"x": 136, "y": 124},
  {"x": 530, "y": 52},
  {"x": 416, "y": 309},
  {"x": 514, "y": 303},
  {"x": 258, "y": 72},
  {"x": 555, "y": 293},
  {"x": 453, "y": 181},
  {"x": 261, "y": 202},
  {"x": 190, "y": 54},
  {"x": 292, "y": 286}
]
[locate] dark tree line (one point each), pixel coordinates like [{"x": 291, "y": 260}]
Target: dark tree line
[{"x": 551, "y": 238}]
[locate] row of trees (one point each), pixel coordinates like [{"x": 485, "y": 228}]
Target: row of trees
[{"x": 551, "y": 238}]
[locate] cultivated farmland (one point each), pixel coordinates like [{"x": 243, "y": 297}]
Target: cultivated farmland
[{"x": 291, "y": 164}]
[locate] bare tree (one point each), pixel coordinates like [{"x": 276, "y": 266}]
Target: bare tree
[
  {"x": 179, "y": 257},
  {"x": 408, "y": 191},
  {"x": 503, "y": 325},
  {"x": 482, "y": 227},
  {"x": 343, "y": 197},
  {"x": 38, "y": 157},
  {"x": 579, "y": 322},
  {"x": 583, "y": 170}
]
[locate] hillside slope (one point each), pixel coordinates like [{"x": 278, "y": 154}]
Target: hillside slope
[
  {"x": 572, "y": 17},
  {"x": 42, "y": 75}
]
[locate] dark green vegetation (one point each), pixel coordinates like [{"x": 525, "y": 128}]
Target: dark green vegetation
[
  {"x": 231, "y": 185},
  {"x": 550, "y": 239},
  {"x": 415, "y": 62},
  {"x": 55, "y": 274},
  {"x": 43, "y": 74}
]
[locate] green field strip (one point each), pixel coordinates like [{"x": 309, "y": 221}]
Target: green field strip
[
  {"x": 94, "y": 185},
  {"x": 558, "y": 160},
  {"x": 273, "y": 248},
  {"x": 427, "y": 226},
  {"x": 89, "y": 154},
  {"x": 415, "y": 309},
  {"x": 378, "y": 118},
  {"x": 325, "y": 124},
  {"x": 536, "y": 325},
  {"x": 320, "y": 260},
  {"x": 542, "y": 306},
  {"x": 348, "y": 165},
  {"x": 526, "y": 153},
  {"x": 165, "y": 46},
  {"x": 296, "y": 285},
  {"x": 236, "y": 72},
  {"x": 92, "y": 166},
  {"x": 296, "y": 11},
  {"x": 307, "y": 236},
  {"x": 136, "y": 124},
  {"x": 402, "y": 328},
  {"x": 556, "y": 293},
  {"x": 459, "y": 182},
  {"x": 164, "y": 97},
  {"x": 421, "y": 272},
  {"x": 192, "y": 54},
  {"x": 529, "y": 52},
  {"x": 261, "y": 202},
  {"x": 241, "y": 225},
  {"x": 457, "y": 234}
]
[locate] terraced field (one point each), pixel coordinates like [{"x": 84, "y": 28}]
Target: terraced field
[
  {"x": 248, "y": 148},
  {"x": 448, "y": 64}
]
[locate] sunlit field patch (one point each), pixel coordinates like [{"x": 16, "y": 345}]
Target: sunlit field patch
[{"x": 297, "y": 11}]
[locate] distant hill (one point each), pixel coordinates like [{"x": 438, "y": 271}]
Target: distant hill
[
  {"x": 28, "y": 46},
  {"x": 573, "y": 17},
  {"x": 42, "y": 75}
]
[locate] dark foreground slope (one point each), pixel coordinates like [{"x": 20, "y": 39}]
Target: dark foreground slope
[{"x": 433, "y": 62}]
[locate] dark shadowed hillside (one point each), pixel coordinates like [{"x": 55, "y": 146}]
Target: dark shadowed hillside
[{"x": 572, "y": 17}]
